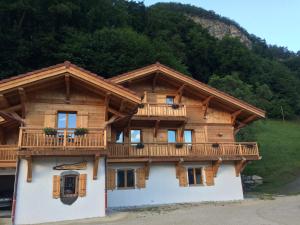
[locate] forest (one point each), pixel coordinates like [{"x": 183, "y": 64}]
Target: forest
[{"x": 110, "y": 37}]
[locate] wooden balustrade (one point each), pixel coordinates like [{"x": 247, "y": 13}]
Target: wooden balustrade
[
  {"x": 65, "y": 138},
  {"x": 150, "y": 109},
  {"x": 183, "y": 150},
  {"x": 8, "y": 155}
]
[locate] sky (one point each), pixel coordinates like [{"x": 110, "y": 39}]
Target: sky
[{"x": 276, "y": 21}]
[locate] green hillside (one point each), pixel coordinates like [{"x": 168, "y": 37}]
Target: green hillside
[{"x": 280, "y": 150}]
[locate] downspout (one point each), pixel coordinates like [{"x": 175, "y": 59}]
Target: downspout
[
  {"x": 105, "y": 169},
  {"x": 13, "y": 210}
]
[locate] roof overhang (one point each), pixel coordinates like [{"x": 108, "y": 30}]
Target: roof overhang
[{"x": 201, "y": 87}]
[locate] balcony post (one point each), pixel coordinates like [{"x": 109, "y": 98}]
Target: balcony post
[
  {"x": 20, "y": 137},
  {"x": 104, "y": 137},
  {"x": 240, "y": 149},
  {"x": 65, "y": 138}
]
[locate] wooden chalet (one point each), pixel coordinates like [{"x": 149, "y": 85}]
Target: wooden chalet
[{"x": 129, "y": 130}]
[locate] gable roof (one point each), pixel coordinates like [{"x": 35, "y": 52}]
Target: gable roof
[
  {"x": 210, "y": 91},
  {"x": 15, "y": 82}
]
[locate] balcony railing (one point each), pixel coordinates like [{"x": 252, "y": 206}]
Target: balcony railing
[
  {"x": 8, "y": 155},
  {"x": 65, "y": 138},
  {"x": 149, "y": 109},
  {"x": 183, "y": 150}
]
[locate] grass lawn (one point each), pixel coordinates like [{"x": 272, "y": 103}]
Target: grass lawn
[{"x": 279, "y": 144}]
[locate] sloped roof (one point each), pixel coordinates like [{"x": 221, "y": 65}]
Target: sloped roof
[
  {"x": 18, "y": 81},
  {"x": 222, "y": 96}
]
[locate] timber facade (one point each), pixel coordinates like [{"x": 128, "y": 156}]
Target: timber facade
[{"x": 81, "y": 136}]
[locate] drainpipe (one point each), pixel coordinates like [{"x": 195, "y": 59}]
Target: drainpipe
[
  {"x": 105, "y": 169},
  {"x": 13, "y": 210}
]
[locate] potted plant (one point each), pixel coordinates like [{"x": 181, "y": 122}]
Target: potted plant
[
  {"x": 175, "y": 106},
  {"x": 215, "y": 145},
  {"x": 80, "y": 131},
  {"x": 140, "y": 145},
  {"x": 250, "y": 145},
  {"x": 50, "y": 131},
  {"x": 141, "y": 106},
  {"x": 178, "y": 145}
]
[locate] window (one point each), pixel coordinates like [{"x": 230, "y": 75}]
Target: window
[
  {"x": 194, "y": 175},
  {"x": 125, "y": 178},
  {"x": 70, "y": 185},
  {"x": 120, "y": 137},
  {"x": 187, "y": 135},
  {"x": 135, "y": 136},
  {"x": 170, "y": 100},
  {"x": 66, "y": 120},
  {"x": 172, "y": 136}
]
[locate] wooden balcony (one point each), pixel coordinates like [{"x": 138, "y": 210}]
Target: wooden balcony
[
  {"x": 161, "y": 110},
  {"x": 64, "y": 142},
  {"x": 189, "y": 152},
  {"x": 8, "y": 156}
]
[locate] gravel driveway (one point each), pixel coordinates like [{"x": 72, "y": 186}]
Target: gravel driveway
[{"x": 281, "y": 211}]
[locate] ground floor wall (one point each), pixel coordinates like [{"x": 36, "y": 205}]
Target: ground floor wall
[
  {"x": 35, "y": 202},
  {"x": 162, "y": 187}
]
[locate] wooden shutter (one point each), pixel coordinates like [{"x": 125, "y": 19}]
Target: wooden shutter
[
  {"x": 82, "y": 119},
  {"x": 140, "y": 178},
  {"x": 182, "y": 176},
  {"x": 209, "y": 175},
  {"x": 56, "y": 186},
  {"x": 111, "y": 179},
  {"x": 50, "y": 119},
  {"x": 82, "y": 185}
]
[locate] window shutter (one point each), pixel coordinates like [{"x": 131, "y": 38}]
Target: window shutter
[
  {"x": 82, "y": 185},
  {"x": 56, "y": 186},
  {"x": 82, "y": 119},
  {"x": 141, "y": 178},
  {"x": 182, "y": 176},
  {"x": 111, "y": 179},
  {"x": 209, "y": 175},
  {"x": 50, "y": 119}
]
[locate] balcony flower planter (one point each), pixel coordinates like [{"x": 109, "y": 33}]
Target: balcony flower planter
[
  {"x": 215, "y": 145},
  {"x": 175, "y": 106},
  {"x": 140, "y": 146},
  {"x": 178, "y": 145},
  {"x": 249, "y": 145},
  {"x": 50, "y": 131},
  {"x": 80, "y": 131}
]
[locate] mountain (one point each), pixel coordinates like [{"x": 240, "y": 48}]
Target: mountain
[{"x": 110, "y": 37}]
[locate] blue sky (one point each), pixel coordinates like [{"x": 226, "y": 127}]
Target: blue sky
[{"x": 276, "y": 21}]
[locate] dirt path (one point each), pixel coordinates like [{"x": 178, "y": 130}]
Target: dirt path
[{"x": 281, "y": 211}]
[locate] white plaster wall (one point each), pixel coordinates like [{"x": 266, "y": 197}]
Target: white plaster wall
[
  {"x": 162, "y": 187},
  {"x": 34, "y": 200}
]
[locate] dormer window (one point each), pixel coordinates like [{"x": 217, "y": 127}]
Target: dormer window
[{"x": 170, "y": 100}]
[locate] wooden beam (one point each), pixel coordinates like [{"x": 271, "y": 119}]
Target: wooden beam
[
  {"x": 29, "y": 168},
  {"x": 216, "y": 165},
  {"x": 23, "y": 101},
  {"x": 95, "y": 168},
  {"x": 156, "y": 127},
  {"x": 12, "y": 108},
  {"x": 2, "y": 137},
  {"x": 11, "y": 116},
  {"x": 3, "y": 101},
  {"x": 115, "y": 112},
  {"x": 244, "y": 122},
  {"x": 240, "y": 166},
  {"x": 179, "y": 93},
  {"x": 122, "y": 105},
  {"x": 205, "y": 104},
  {"x": 106, "y": 103},
  {"x": 235, "y": 115},
  {"x": 67, "y": 84},
  {"x": 154, "y": 82}
]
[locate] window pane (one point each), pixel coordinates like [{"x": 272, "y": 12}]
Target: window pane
[
  {"x": 171, "y": 136},
  {"x": 198, "y": 176},
  {"x": 72, "y": 120},
  {"x": 135, "y": 136},
  {"x": 191, "y": 175},
  {"x": 188, "y": 136},
  {"x": 69, "y": 185},
  {"x": 61, "y": 120},
  {"x": 170, "y": 100},
  {"x": 130, "y": 178},
  {"x": 119, "y": 137},
  {"x": 121, "y": 178}
]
